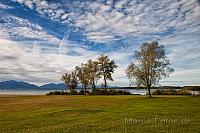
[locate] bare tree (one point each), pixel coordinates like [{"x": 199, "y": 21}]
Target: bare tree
[
  {"x": 151, "y": 65},
  {"x": 106, "y": 67}
]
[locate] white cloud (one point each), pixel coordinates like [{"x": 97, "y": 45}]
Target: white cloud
[
  {"x": 31, "y": 64},
  {"x": 175, "y": 23},
  {"x": 16, "y": 28},
  {"x": 29, "y": 4},
  {"x": 183, "y": 78},
  {"x": 53, "y": 10},
  {"x": 183, "y": 50},
  {"x": 138, "y": 18},
  {"x": 3, "y": 6},
  {"x": 121, "y": 18}
]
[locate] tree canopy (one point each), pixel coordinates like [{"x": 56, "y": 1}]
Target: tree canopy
[
  {"x": 106, "y": 67},
  {"x": 150, "y": 65},
  {"x": 70, "y": 79},
  {"x": 89, "y": 73}
]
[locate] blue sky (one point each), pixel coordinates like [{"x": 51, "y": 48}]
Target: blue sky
[{"x": 40, "y": 40}]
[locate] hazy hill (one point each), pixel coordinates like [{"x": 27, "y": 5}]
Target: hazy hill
[
  {"x": 53, "y": 86},
  {"x": 12, "y": 84}
]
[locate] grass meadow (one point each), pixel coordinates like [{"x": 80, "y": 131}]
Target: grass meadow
[{"x": 109, "y": 114}]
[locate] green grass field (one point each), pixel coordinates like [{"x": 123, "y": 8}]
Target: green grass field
[{"x": 117, "y": 114}]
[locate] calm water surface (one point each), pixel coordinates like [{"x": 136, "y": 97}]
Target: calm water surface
[{"x": 43, "y": 92}]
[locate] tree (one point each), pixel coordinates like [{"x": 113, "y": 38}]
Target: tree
[
  {"x": 151, "y": 65},
  {"x": 70, "y": 80},
  {"x": 83, "y": 75},
  {"x": 106, "y": 68},
  {"x": 79, "y": 73},
  {"x": 93, "y": 73}
]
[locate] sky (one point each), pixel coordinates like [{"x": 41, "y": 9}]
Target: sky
[{"x": 42, "y": 39}]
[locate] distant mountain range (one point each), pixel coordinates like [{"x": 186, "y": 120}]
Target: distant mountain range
[
  {"x": 16, "y": 85},
  {"x": 20, "y": 85},
  {"x": 12, "y": 84},
  {"x": 53, "y": 86}
]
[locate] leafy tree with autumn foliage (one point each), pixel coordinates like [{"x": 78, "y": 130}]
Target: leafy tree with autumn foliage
[
  {"x": 93, "y": 73},
  {"x": 150, "y": 65},
  {"x": 70, "y": 80},
  {"x": 89, "y": 73},
  {"x": 106, "y": 68},
  {"x": 83, "y": 75}
]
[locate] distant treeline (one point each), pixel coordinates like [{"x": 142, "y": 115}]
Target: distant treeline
[{"x": 190, "y": 88}]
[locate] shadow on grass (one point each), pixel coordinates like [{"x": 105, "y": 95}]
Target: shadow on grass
[
  {"x": 156, "y": 97},
  {"x": 77, "y": 111}
]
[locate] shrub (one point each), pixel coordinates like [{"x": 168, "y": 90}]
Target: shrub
[
  {"x": 57, "y": 93},
  {"x": 192, "y": 88},
  {"x": 171, "y": 92},
  {"x": 97, "y": 92},
  {"x": 73, "y": 92},
  {"x": 110, "y": 92},
  {"x": 81, "y": 92}
]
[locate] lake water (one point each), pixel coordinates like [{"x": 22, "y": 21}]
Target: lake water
[
  {"x": 43, "y": 92},
  {"x": 24, "y": 92}
]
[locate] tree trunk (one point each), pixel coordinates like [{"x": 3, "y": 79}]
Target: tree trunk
[
  {"x": 70, "y": 88},
  {"x": 67, "y": 87},
  {"x": 94, "y": 86},
  {"x": 85, "y": 89},
  {"x": 149, "y": 89},
  {"x": 105, "y": 84},
  {"x": 82, "y": 87}
]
